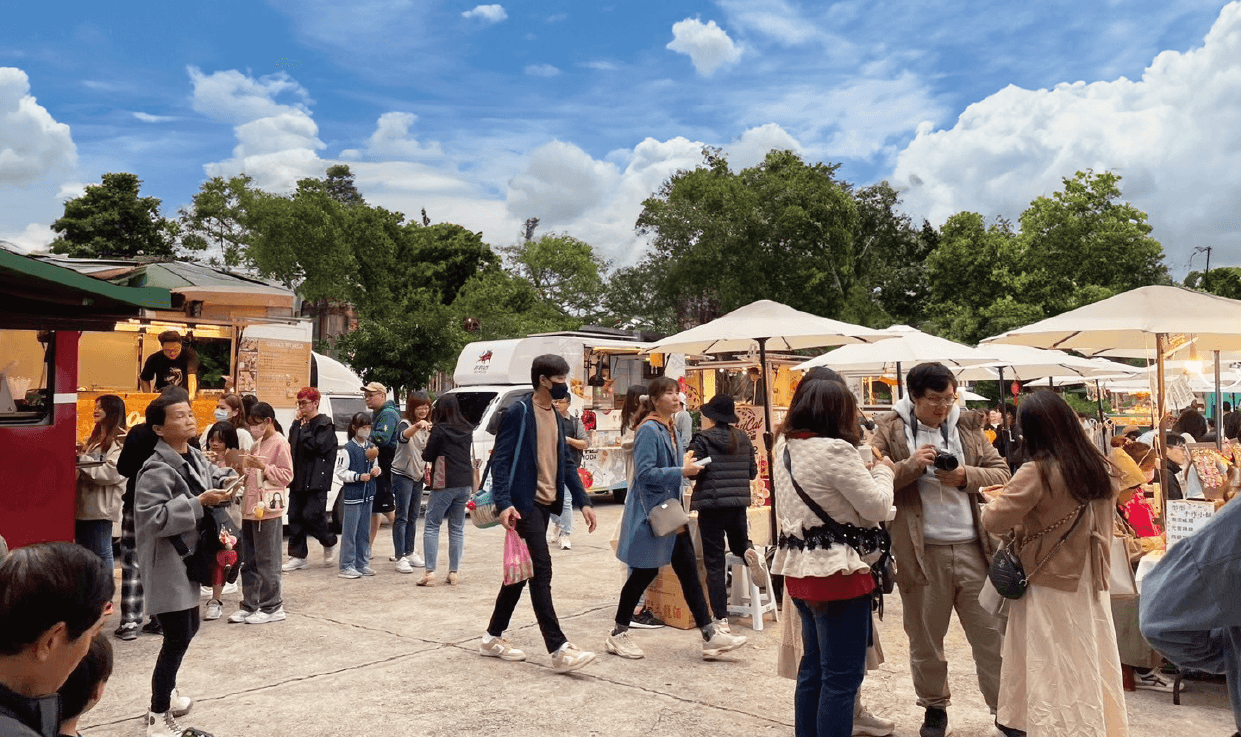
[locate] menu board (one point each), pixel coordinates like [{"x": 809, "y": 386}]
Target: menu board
[
  {"x": 273, "y": 370},
  {"x": 1185, "y": 517}
]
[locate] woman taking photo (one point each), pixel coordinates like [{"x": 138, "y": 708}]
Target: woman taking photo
[
  {"x": 408, "y": 467},
  {"x": 221, "y": 438},
  {"x": 819, "y": 473},
  {"x": 269, "y": 470},
  {"x": 1061, "y": 670},
  {"x": 100, "y": 485},
  {"x": 450, "y": 447},
  {"x": 657, "y": 478},
  {"x": 231, "y": 409}
]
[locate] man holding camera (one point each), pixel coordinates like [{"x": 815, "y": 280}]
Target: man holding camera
[{"x": 942, "y": 552}]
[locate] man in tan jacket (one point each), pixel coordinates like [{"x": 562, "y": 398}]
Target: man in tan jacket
[{"x": 942, "y": 552}]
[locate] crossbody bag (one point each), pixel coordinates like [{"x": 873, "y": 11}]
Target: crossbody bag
[{"x": 1007, "y": 573}]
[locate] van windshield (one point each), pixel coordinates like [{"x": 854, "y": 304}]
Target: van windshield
[{"x": 474, "y": 404}]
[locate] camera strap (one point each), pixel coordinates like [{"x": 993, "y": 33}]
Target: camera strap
[{"x": 943, "y": 430}]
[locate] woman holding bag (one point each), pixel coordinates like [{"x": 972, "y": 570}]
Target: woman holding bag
[
  {"x": 1061, "y": 669},
  {"x": 449, "y": 456},
  {"x": 657, "y": 478}
]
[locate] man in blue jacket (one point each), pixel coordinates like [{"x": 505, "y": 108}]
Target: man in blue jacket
[{"x": 531, "y": 470}]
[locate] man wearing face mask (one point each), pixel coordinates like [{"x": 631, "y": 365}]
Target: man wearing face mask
[{"x": 531, "y": 471}]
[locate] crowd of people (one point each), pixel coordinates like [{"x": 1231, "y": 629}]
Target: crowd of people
[{"x": 937, "y": 488}]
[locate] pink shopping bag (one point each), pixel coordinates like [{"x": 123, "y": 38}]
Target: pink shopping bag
[{"x": 517, "y": 564}]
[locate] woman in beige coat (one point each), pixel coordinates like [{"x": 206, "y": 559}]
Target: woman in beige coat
[
  {"x": 100, "y": 485},
  {"x": 1061, "y": 669}
]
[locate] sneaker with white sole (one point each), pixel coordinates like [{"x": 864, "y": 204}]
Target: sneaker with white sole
[
  {"x": 403, "y": 566},
  {"x": 716, "y": 642},
  {"x": 239, "y": 616},
  {"x": 180, "y": 705},
  {"x": 295, "y": 564},
  {"x": 758, "y": 568},
  {"x": 498, "y": 647},
  {"x": 262, "y": 617},
  {"x": 215, "y": 608},
  {"x": 568, "y": 658},
  {"x": 204, "y": 591},
  {"x": 349, "y": 573},
  {"x": 1153, "y": 681},
  {"x": 127, "y": 632},
  {"x": 623, "y": 645},
  {"x": 329, "y": 554},
  {"x": 229, "y": 588},
  {"x": 564, "y": 543},
  {"x": 645, "y": 620},
  {"x": 723, "y": 625},
  {"x": 416, "y": 560},
  {"x": 163, "y": 725},
  {"x": 367, "y": 571},
  {"x": 866, "y": 724}
]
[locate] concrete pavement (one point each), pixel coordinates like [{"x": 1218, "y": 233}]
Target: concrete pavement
[{"x": 381, "y": 656}]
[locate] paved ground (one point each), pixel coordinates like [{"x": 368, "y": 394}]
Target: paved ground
[{"x": 380, "y": 656}]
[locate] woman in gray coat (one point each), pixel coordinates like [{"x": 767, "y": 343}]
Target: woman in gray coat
[
  {"x": 173, "y": 487},
  {"x": 657, "y": 477}
]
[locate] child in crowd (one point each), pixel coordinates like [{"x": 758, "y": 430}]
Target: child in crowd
[
  {"x": 85, "y": 685},
  {"x": 357, "y": 469},
  {"x": 221, "y": 438}
]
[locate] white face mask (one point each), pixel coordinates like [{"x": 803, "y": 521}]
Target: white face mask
[
  {"x": 363, "y": 434},
  {"x": 221, "y": 415}
]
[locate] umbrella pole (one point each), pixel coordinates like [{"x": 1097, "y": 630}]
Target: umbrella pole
[
  {"x": 767, "y": 435},
  {"x": 1102, "y": 420},
  {"x": 900, "y": 383},
  {"x": 1161, "y": 345},
  {"x": 1219, "y": 417}
]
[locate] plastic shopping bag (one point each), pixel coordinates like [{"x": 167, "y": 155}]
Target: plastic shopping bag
[{"x": 517, "y": 564}]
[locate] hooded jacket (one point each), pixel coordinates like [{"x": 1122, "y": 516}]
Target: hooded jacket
[
  {"x": 725, "y": 482},
  {"x": 313, "y": 446},
  {"x": 454, "y": 443}
]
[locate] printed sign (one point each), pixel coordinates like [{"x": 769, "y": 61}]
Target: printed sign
[{"x": 1186, "y": 517}]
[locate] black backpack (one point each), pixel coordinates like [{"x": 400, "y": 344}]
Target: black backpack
[{"x": 201, "y": 564}]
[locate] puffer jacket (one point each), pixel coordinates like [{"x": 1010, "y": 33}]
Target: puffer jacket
[
  {"x": 832, "y": 474},
  {"x": 101, "y": 488},
  {"x": 725, "y": 482}
]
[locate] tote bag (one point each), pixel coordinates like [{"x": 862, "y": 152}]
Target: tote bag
[{"x": 1121, "y": 583}]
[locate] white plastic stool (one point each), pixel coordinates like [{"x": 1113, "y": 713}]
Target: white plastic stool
[{"x": 745, "y": 598}]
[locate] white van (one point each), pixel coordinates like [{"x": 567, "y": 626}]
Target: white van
[{"x": 491, "y": 375}]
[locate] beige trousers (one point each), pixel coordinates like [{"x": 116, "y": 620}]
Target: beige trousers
[{"x": 955, "y": 575}]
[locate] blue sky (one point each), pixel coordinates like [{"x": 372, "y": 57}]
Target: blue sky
[{"x": 574, "y": 112}]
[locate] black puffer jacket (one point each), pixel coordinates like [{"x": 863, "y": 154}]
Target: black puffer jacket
[
  {"x": 313, "y": 445},
  {"x": 454, "y": 443},
  {"x": 725, "y": 482}
]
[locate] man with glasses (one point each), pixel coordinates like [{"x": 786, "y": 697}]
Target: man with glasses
[
  {"x": 312, "y": 442},
  {"x": 942, "y": 552}
]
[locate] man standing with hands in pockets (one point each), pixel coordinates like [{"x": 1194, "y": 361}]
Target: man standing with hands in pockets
[
  {"x": 312, "y": 441},
  {"x": 531, "y": 471}
]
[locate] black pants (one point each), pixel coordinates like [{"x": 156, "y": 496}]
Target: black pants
[
  {"x": 685, "y": 565},
  {"x": 179, "y": 628},
  {"x": 714, "y": 525},
  {"x": 308, "y": 517},
  {"x": 533, "y": 529}
]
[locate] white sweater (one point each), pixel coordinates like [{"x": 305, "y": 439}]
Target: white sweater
[{"x": 832, "y": 474}]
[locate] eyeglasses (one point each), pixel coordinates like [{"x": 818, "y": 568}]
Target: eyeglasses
[
  {"x": 301, "y": 402},
  {"x": 944, "y": 402}
]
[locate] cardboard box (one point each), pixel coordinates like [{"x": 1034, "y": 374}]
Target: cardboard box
[{"x": 664, "y": 598}]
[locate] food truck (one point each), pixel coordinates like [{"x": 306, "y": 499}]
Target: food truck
[{"x": 491, "y": 375}]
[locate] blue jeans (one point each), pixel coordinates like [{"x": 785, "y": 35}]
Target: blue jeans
[
  {"x": 565, "y": 518},
  {"x": 448, "y": 503},
  {"x": 355, "y": 536},
  {"x": 834, "y": 637},
  {"x": 96, "y": 536},
  {"x": 408, "y": 506}
]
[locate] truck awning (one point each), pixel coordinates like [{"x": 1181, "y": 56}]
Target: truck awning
[{"x": 42, "y": 296}]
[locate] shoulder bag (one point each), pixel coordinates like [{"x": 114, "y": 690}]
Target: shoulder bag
[
  {"x": 482, "y": 503},
  {"x": 1122, "y": 584},
  {"x": 1008, "y": 574},
  {"x": 666, "y": 517}
]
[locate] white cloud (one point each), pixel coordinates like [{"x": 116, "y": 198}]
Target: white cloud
[
  {"x": 752, "y": 146},
  {"x": 1174, "y": 136},
  {"x": 391, "y": 139},
  {"x": 558, "y": 17},
  {"x": 33, "y": 146},
  {"x": 149, "y": 118},
  {"x": 542, "y": 70},
  {"x": 486, "y": 13},
  {"x": 775, "y": 19},
  {"x": 239, "y": 98},
  {"x": 35, "y": 237},
  {"x": 602, "y": 66},
  {"x": 707, "y": 46}
]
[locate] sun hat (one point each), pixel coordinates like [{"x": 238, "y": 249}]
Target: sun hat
[{"x": 721, "y": 408}]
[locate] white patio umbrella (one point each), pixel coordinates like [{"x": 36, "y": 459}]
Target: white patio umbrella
[
  {"x": 766, "y": 324},
  {"x": 908, "y": 348}
]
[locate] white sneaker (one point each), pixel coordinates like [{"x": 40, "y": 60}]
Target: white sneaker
[
  {"x": 498, "y": 647},
  {"x": 553, "y": 532},
  {"x": 215, "y": 608},
  {"x": 564, "y": 543},
  {"x": 262, "y": 617},
  {"x": 239, "y": 616},
  {"x": 295, "y": 564},
  {"x": 723, "y": 625},
  {"x": 416, "y": 560},
  {"x": 349, "y": 573},
  {"x": 180, "y": 705},
  {"x": 719, "y": 642},
  {"x": 204, "y": 591},
  {"x": 866, "y": 724},
  {"x": 163, "y": 725},
  {"x": 757, "y": 566},
  {"x": 229, "y": 588},
  {"x": 569, "y": 658},
  {"x": 624, "y": 646},
  {"x": 403, "y": 566},
  {"x": 329, "y": 554},
  {"x": 1153, "y": 681}
]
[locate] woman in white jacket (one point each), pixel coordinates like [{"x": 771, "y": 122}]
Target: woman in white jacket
[
  {"x": 100, "y": 485},
  {"x": 818, "y": 472}
]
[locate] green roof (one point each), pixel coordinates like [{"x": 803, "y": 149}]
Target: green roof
[{"x": 40, "y": 279}]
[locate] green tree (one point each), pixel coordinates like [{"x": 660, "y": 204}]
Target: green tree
[
  {"x": 403, "y": 349},
  {"x": 507, "y": 306},
  {"x": 111, "y": 220},
  {"x": 217, "y": 220},
  {"x": 889, "y": 281},
  {"x": 1223, "y": 281},
  {"x": 633, "y": 302},
  {"x": 300, "y": 241},
  {"x": 565, "y": 272}
]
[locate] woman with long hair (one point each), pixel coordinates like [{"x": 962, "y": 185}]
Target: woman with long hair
[
  {"x": 221, "y": 438},
  {"x": 450, "y": 447},
  {"x": 100, "y": 485},
  {"x": 1061, "y": 669},
  {"x": 819, "y": 473},
  {"x": 230, "y": 408},
  {"x": 269, "y": 471},
  {"x": 408, "y": 468},
  {"x": 657, "y": 478}
]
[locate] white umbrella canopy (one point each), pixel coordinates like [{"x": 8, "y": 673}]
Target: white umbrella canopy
[
  {"x": 768, "y": 324},
  {"x": 909, "y": 348},
  {"x": 1126, "y": 325},
  {"x": 1114, "y": 372},
  {"x": 1023, "y": 363}
]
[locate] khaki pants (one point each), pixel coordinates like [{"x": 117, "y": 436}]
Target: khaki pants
[{"x": 955, "y": 575}]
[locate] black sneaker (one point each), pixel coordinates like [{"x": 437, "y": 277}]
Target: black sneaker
[
  {"x": 127, "y": 631},
  {"x": 153, "y": 627},
  {"x": 1009, "y": 731},
  {"x": 644, "y": 620},
  {"x": 935, "y": 724}
]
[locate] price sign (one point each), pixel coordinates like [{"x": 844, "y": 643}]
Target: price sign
[{"x": 1185, "y": 517}]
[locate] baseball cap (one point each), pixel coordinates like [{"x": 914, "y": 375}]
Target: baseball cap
[{"x": 375, "y": 387}]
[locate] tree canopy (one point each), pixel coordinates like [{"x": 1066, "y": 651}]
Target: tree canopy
[
  {"x": 110, "y": 220},
  {"x": 217, "y": 220}
]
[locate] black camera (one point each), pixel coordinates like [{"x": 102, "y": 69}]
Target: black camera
[{"x": 945, "y": 461}]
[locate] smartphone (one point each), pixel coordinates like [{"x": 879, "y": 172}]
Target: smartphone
[
  {"x": 701, "y": 462},
  {"x": 236, "y": 486}
]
